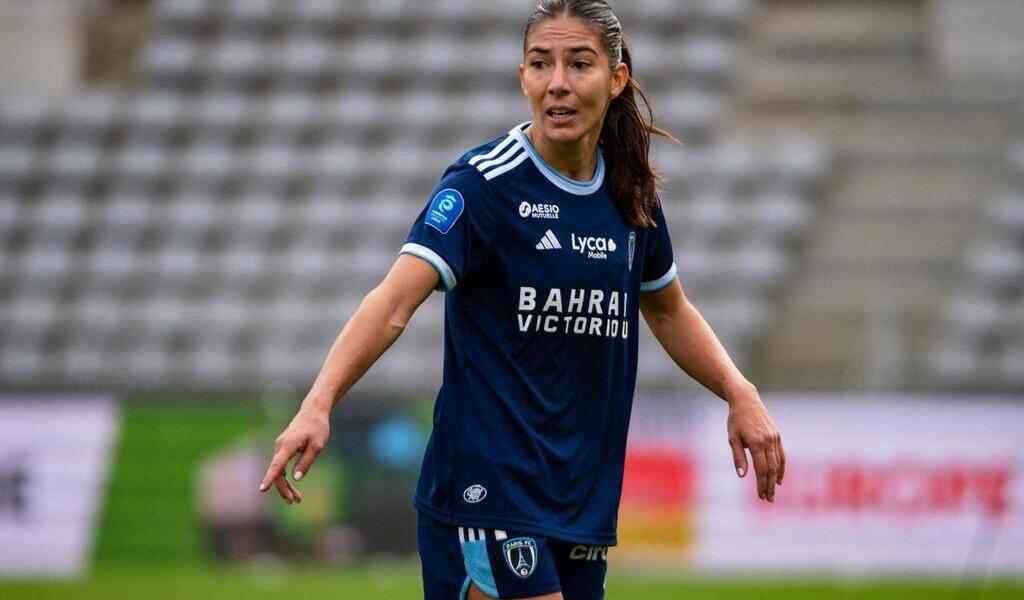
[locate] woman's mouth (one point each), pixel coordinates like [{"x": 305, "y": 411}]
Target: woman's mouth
[{"x": 561, "y": 116}]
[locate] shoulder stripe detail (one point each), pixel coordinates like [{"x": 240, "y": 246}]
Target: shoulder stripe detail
[
  {"x": 494, "y": 152},
  {"x": 508, "y": 167},
  {"x": 657, "y": 284},
  {"x": 515, "y": 149},
  {"x": 447, "y": 275}
]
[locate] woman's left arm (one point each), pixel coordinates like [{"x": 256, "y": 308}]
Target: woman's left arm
[{"x": 691, "y": 343}]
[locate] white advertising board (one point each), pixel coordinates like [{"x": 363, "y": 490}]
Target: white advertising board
[
  {"x": 54, "y": 462},
  {"x": 873, "y": 484}
]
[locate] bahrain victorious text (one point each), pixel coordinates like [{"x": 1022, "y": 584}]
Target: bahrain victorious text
[{"x": 576, "y": 311}]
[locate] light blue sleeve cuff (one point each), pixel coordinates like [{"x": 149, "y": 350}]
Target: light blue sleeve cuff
[
  {"x": 659, "y": 283},
  {"x": 447, "y": 275}
]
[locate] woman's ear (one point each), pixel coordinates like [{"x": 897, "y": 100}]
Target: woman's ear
[
  {"x": 522, "y": 84},
  {"x": 620, "y": 77}
]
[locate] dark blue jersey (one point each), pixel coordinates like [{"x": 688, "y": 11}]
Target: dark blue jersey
[{"x": 543, "y": 279}]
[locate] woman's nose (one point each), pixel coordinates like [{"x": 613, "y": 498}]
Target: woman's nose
[{"x": 559, "y": 81}]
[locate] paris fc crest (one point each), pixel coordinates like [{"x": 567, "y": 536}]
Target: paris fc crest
[{"x": 521, "y": 556}]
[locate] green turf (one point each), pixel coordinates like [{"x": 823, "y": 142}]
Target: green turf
[
  {"x": 150, "y": 510},
  {"x": 401, "y": 580}
]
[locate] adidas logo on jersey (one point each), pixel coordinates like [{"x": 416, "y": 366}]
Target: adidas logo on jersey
[{"x": 549, "y": 242}]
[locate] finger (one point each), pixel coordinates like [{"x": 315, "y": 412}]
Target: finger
[
  {"x": 276, "y": 468},
  {"x": 773, "y": 471},
  {"x": 739, "y": 457},
  {"x": 761, "y": 469},
  {"x": 782, "y": 460},
  {"x": 306, "y": 459},
  {"x": 296, "y": 494},
  {"x": 284, "y": 488}
]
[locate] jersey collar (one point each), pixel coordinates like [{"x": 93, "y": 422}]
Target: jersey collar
[{"x": 580, "y": 188}]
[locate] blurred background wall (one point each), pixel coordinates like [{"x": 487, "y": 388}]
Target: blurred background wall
[{"x": 196, "y": 194}]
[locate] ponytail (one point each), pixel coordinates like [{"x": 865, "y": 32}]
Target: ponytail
[{"x": 626, "y": 145}]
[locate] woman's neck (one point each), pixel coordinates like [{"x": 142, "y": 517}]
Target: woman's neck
[{"x": 576, "y": 161}]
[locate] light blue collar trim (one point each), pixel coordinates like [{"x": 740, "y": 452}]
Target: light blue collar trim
[{"x": 580, "y": 188}]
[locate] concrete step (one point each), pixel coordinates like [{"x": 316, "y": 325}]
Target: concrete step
[
  {"x": 830, "y": 351},
  {"x": 889, "y": 134},
  {"x": 770, "y": 79},
  {"x": 907, "y": 189},
  {"x": 841, "y": 288},
  {"x": 924, "y": 239},
  {"x": 824, "y": 25},
  {"x": 812, "y": 353}
]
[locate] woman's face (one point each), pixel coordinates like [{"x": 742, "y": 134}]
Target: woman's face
[{"x": 568, "y": 79}]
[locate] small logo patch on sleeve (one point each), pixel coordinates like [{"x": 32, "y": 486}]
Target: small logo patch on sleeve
[{"x": 445, "y": 210}]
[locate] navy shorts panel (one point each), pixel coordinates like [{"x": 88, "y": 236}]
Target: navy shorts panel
[
  {"x": 581, "y": 569},
  {"x": 506, "y": 564}
]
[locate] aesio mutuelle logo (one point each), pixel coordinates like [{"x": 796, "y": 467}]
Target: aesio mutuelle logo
[{"x": 538, "y": 211}]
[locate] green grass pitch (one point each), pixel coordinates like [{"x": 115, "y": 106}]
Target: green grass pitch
[{"x": 401, "y": 580}]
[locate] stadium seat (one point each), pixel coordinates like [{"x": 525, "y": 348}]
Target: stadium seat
[
  {"x": 140, "y": 161},
  {"x": 253, "y": 13},
  {"x": 303, "y": 60},
  {"x": 170, "y": 59},
  {"x": 1005, "y": 215},
  {"x": 798, "y": 159},
  {"x": 725, "y": 13},
  {"x": 17, "y": 162},
  {"x": 10, "y": 214},
  {"x": 708, "y": 58},
  {"x": 22, "y": 361},
  {"x": 996, "y": 264},
  {"x": 256, "y": 213},
  {"x": 70, "y": 162},
  {"x": 235, "y": 60},
  {"x": 29, "y": 315},
  {"x": 171, "y": 13},
  {"x": 318, "y": 13},
  {"x": 111, "y": 265},
  {"x": 58, "y": 215},
  {"x": 191, "y": 214},
  {"x": 124, "y": 217},
  {"x": 1015, "y": 159},
  {"x": 207, "y": 162},
  {"x": 779, "y": 215},
  {"x": 24, "y": 116},
  {"x": 90, "y": 116},
  {"x": 270, "y": 162},
  {"x": 156, "y": 113},
  {"x": 44, "y": 266},
  {"x": 219, "y": 112}
]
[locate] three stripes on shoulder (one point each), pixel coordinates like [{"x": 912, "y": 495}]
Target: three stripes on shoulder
[{"x": 504, "y": 157}]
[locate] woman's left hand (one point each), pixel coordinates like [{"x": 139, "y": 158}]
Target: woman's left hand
[{"x": 750, "y": 426}]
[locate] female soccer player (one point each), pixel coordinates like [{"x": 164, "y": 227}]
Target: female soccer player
[{"x": 548, "y": 241}]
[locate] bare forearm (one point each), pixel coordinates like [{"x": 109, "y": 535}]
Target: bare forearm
[
  {"x": 693, "y": 345},
  {"x": 376, "y": 325}
]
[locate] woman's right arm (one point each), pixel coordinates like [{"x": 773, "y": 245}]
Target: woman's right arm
[{"x": 376, "y": 324}]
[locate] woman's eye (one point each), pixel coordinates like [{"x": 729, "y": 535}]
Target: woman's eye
[
  {"x": 537, "y": 64},
  {"x": 581, "y": 65}
]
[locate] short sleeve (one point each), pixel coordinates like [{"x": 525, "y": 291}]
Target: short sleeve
[
  {"x": 659, "y": 262},
  {"x": 447, "y": 232}
]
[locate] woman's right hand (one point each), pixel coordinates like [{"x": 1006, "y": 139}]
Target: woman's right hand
[{"x": 306, "y": 435}]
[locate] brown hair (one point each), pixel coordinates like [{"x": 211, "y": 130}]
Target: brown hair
[{"x": 627, "y": 130}]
